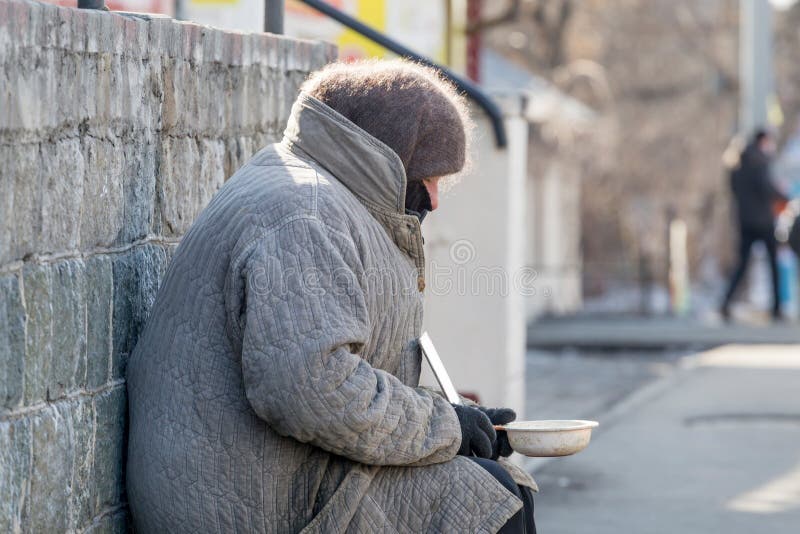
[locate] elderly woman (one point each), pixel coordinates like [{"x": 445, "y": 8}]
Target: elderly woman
[{"x": 274, "y": 388}]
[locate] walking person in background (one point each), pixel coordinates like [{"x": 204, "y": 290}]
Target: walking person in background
[{"x": 755, "y": 196}]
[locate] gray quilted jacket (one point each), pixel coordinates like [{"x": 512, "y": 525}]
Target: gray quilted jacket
[{"x": 274, "y": 387}]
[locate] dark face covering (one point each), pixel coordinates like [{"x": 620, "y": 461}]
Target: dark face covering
[{"x": 418, "y": 201}]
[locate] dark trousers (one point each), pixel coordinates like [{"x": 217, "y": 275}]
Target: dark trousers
[
  {"x": 746, "y": 240},
  {"x": 521, "y": 522}
]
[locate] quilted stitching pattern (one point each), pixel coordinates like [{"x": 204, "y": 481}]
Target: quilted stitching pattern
[{"x": 274, "y": 386}]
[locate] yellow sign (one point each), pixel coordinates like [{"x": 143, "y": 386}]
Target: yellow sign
[
  {"x": 417, "y": 24},
  {"x": 353, "y": 45}
]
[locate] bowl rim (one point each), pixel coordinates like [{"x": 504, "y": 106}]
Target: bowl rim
[{"x": 580, "y": 424}]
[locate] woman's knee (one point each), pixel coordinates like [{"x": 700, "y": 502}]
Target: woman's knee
[{"x": 499, "y": 473}]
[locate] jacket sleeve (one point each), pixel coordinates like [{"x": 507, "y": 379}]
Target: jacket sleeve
[{"x": 305, "y": 321}]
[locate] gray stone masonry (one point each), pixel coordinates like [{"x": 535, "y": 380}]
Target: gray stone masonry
[{"x": 115, "y": 131}]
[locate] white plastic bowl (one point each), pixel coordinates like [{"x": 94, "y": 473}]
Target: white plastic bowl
[{"x": 549, "y": 438}]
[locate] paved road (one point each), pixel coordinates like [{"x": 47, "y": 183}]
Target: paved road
[
  {"x": 712, "y": 447},
  {"x": 654, "y": 333},
  {"x": 571, "y": 384}
]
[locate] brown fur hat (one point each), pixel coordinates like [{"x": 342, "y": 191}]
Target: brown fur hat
[{"x": 407, "y": 106}]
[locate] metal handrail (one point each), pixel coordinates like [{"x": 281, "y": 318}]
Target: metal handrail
[
  {"x": 463, "y": 85},
  {"x": 273, "y": 16},
  {"x": 92, "y": 4}
]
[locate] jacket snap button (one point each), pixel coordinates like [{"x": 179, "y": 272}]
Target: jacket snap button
[{"x": 421, "y": 284}]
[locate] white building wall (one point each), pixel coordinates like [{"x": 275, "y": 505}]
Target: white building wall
[
  {"x": 475, "y": 251},
  {"x": 554, "y": 229}
]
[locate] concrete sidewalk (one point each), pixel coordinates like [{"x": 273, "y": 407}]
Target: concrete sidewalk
[
  {"x": 653, "y": 333},
  {"x": 712, "y": 447}
]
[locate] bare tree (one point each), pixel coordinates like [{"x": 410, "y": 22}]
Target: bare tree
[{"x": 662, "y": 76}]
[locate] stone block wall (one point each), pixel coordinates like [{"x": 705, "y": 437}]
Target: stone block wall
[{"x": 115, "y": 131}]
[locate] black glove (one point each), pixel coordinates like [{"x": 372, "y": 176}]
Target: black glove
[
  {"x": 500, "y": 416},
  {"x": 477, "y": 433}
]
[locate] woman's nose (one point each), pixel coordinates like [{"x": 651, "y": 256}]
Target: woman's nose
[{"x": 433, "y": 191}]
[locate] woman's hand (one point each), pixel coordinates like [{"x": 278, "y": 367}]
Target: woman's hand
[
  {"x": 477, "y": 433},
  {"x": 500, "y": 416}
]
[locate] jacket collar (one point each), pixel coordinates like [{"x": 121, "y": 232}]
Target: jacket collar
[{"x": 367, "y": 167}]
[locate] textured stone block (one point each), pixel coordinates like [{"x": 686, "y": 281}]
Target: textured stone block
[
  {"x": 68, "y": 363},
  {"x": 237, "y": 151},
  {"x": 212, "y": 111},
  {"x": 64, "y": 35},
  {"x": 85, "y": 109},
  {"x": 137, "y": 275},
  {"x": 134, "y": 35},
  {"x": 188, "y": 98},
  {"x": 48, "y": 87},
  {"x": 36, "y": 23},
  {"x": 251, "y": 120},
  {"x": 109, "y": 482},
  {"x": 80, "y": 420},
  {"x": 116, "y": 107},
  {"x": 62, "y": 175},
  {"x": 6, "y": 97},
  {"x": 117, "y": 34},
  {"x": 169, "y": 106},
  {"x": 12, "y": 342},
  {"x": 88, "y": 88},
  {"x": 20, "y": 25},
  {"x": 80, "y": 30},
  {"x": 103, "y": 203},
  {"x": 7, "y": 225},
  {"x": 99, "y": 306},
  {"x": 258, "y": 108},
  {"x": 262, "y": 139},
  {"x": 139, "y": 184},
  {"x": 169, "y": 251},
  {"x": 212, "y": 171},
  {"x": 158, "y": 36},
  {"x": 95, "y": 38},
  {"x": 135, "y": 95},
  {"x": 175, "y": 38},
  {"x": 15, "y": 462},
  {"x": 104, "y": 96},
  {"x": 324, "y": 53},
  {"x": 51, "y": 473},
  {"x": 69, "y": 85},
  {"x": 37, "y": 281},
  {"x": 293, "y": 55},
  {"x": 176, "y": 185},
  {"x": 5, "y": 38},
  {"x": 150, "y": 115},
  {"x": 8, "y": 55},
  {"x": 236, "y": 104},
  {"x": 21, "y": 165},
  {"x": 26, "y": 90},
  {"x": 232, "y": 49},
  {"x": 114, "y": 523}
]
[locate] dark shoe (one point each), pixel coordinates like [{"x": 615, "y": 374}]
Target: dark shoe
[{"x": 725, "y": 312}]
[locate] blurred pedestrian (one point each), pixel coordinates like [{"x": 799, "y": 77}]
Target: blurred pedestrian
[{"x": 755, "y": 197}]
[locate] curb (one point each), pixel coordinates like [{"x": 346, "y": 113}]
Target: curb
[{"x": 626, "y": 405}]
